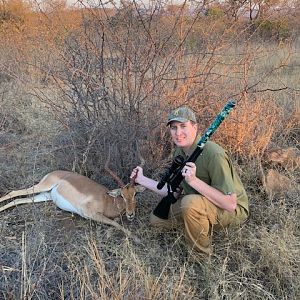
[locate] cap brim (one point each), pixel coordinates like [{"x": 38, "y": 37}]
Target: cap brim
[{"x": 181, "y": 120}]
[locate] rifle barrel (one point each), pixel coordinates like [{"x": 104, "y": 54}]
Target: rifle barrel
[{"x": 211, "y": 129}]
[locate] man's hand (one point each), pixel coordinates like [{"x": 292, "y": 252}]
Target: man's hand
[
  {"x": 189, "y": 172},
  {"x": 138, "y": 174}
]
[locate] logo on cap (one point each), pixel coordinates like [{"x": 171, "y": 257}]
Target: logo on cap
[{"x": 176, "y": 112}]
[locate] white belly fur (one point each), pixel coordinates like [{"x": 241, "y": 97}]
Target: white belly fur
[
  {"x": 42, "y": 197},
  {"x": 63, "y": 203}
]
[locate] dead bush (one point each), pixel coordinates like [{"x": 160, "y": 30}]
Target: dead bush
[{"x": 251, "y": 126}]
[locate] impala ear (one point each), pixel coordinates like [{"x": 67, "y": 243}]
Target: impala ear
[
  {"x": 114, "y": 193},
  {"x": 139, "y": 188}
]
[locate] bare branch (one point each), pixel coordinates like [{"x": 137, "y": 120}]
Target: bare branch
[{"x": 112, "y": 174}]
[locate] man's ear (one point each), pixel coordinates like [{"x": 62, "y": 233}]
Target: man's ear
[
  {"x": 139, "y": 188},
  {"x": 114, "y": 193}
]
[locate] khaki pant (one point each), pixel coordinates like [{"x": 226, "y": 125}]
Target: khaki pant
[{"x": 199, "y": 217}]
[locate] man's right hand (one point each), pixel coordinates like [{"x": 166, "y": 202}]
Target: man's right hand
[{"x": 137, "y": 173}]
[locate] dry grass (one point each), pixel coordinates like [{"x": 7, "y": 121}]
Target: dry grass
[
  {"x": 46, "y": 123},
  {"x": 46, "y": 253}
]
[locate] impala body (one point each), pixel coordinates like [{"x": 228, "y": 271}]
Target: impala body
[{"x": 80, "y": 195}]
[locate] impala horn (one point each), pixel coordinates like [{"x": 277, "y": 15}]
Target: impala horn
[{"x": 142, "y": 163}]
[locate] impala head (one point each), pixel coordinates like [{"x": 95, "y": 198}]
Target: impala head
[{"x": 126, "y": 191}]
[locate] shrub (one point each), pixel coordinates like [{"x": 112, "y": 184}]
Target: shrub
[{"x": 268, "y": 29}]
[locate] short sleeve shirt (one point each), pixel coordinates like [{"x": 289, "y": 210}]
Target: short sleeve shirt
[{"x": 215, "y": 168}]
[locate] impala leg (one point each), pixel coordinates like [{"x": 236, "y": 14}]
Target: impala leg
[
  {"x": 15, "y": 203},
  {"x": 14, "y": 194},
  {"x": 105, "y": 220},
  {"x": 37, "y": 198},
  {"x": 29, "y": 191}
]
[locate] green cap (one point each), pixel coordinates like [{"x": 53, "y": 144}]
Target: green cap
[{"x": 182, "y": 114}]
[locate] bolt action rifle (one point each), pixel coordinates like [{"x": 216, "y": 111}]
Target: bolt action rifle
[{"x": 173, "y": 176}]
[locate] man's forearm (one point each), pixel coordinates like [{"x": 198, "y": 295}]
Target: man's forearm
[
  {"x": 152, "y": 185},
  {"x": 226, "y": 202}
]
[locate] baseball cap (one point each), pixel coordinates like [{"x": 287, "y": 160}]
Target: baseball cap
[{"x": 182, "y": 114}]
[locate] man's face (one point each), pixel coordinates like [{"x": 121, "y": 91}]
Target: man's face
[{"x": 183, "y": 133}]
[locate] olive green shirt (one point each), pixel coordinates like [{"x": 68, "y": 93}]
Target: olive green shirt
[{"x": 215, "y": 168}]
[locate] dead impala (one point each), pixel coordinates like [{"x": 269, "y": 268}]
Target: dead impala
[{"x": 80, "y": 195}]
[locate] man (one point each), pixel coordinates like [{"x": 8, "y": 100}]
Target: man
[{"x": 213, "y": 196}]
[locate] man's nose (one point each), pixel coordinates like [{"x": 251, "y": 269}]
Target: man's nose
[{"x": 178, "y": 131}]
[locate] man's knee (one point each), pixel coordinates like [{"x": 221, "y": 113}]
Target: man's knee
[
  {"x": 191, "y": 202},
  {"x": 197, "y": 207}
]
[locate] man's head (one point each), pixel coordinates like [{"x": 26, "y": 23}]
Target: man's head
[{"x": 183, "y": 127}]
